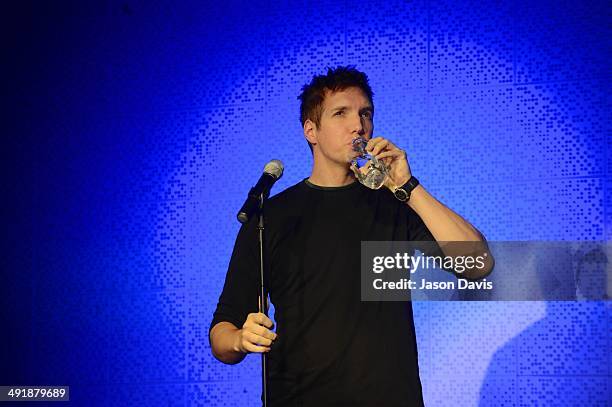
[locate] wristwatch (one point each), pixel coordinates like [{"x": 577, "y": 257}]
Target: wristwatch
[{"x": 403, "y": 193}]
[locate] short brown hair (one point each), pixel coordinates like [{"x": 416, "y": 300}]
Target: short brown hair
[{"x": 336, "y": 79}]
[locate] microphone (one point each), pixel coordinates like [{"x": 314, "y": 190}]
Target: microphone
[{"x": 272, "y": 173}]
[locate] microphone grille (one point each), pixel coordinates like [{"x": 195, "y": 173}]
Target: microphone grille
[{"x": 274, "y": 168}]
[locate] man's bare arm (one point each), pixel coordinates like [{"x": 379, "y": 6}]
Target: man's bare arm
[
  {"x": 447, "y": 226},
  {"x": 223, "y": 339},
  {"x": 444, "y": 224}
]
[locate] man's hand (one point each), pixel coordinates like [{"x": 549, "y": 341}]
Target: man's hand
[
  {"x": 255, "y": 337},
  {"x": 394, "y": 158}
]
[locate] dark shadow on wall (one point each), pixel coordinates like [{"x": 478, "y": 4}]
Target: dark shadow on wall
[{"x": 563, "y": 358}]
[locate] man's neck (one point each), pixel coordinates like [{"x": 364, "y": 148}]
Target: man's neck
[{"x": 331, "y": 175}]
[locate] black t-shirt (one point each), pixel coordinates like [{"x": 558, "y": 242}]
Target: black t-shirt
[{"x": 332, "y": 348}]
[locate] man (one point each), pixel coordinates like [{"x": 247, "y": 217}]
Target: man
[{"x": 331, "y": 348}]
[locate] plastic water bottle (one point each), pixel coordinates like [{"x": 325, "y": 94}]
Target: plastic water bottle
[{"x": 370, "y": 171}]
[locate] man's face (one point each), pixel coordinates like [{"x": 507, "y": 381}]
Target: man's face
[{"x": 346, "y": 114}]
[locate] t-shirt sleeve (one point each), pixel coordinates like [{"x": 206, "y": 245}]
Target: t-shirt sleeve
[
  {"x": 418, "y": 232},
  {"x": 240, "y": 291}
]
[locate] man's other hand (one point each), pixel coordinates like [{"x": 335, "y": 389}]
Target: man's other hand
[{"x": 255, "y": 335}]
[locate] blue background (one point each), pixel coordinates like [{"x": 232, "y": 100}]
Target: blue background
[{"x": 134, "y": 130}]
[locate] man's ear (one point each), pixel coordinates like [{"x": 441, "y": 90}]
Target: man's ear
[{"x": 310, "y": 131}]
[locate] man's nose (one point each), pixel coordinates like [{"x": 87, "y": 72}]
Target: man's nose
[{"x": 359, "y": 126}]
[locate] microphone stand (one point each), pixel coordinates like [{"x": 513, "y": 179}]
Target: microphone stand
[{"x": 263, "y": 295}]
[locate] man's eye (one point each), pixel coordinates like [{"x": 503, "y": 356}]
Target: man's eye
[
  {"x": 339, "y": 113},
  {"x": 366, "y": 115}
]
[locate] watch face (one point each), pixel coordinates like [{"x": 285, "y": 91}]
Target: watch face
[{"x": 401, "y": 194}]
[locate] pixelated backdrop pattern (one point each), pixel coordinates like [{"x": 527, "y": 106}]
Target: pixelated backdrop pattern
[{"x": 147, "y": 122}]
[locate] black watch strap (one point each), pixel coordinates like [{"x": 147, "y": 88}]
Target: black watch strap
[{"x": 403, "y": 193}]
